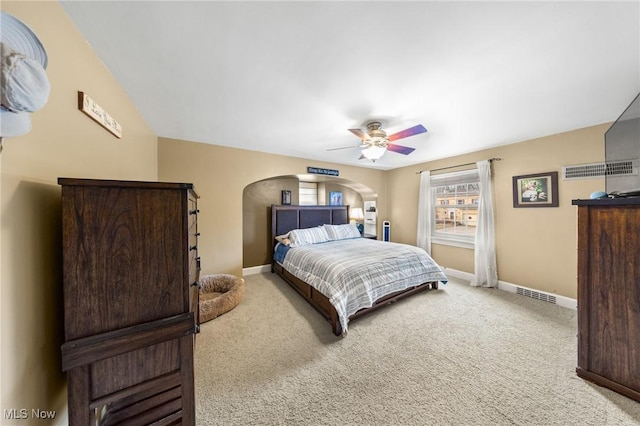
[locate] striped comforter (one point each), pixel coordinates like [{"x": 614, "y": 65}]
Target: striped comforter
[{"x": 354, "y": 273}]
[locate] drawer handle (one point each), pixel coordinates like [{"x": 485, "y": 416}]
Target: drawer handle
[
  {"x": 197, "y": 234},
  {"x": 193, "y": 248},
  {"x": 196, "y": 211},
  {"x": 196, "y": 284}
]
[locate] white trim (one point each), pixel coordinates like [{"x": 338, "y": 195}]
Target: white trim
[
  {"x": 458, "y": 274},
  {"x": 452, "y": 241},
  {"x": 256, "y": 270},
  {"x": 566, "y": 302}
]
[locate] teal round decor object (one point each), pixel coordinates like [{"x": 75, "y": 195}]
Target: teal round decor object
[{"x": 598, "y": 194}]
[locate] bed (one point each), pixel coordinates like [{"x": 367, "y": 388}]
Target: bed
[{"x": 345, "y": 278}]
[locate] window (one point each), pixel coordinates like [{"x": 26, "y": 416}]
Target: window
[
  {"x": 455, "y": 200},
  {"x": 308, "y": 193}
]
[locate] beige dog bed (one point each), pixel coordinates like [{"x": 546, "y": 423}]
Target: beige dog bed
[{"x": 219, "y": 293}]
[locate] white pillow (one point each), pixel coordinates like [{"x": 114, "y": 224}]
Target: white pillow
[
  {"x": 342, "y": 232},
  {"x": 301, "y": 237}
]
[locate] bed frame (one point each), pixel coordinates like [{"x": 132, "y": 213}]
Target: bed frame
[{"x": 284, "y": 218}]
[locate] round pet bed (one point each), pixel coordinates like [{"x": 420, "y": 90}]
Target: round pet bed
[{"x": 219, "y": 293}]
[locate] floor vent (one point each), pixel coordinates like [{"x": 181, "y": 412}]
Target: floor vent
[
  {"x": 536, "y": 295},
  {"x": 612, "y": 168}
]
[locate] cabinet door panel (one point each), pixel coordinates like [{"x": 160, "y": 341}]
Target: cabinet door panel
[
  {"x": 124, "y": 257},
  {"x": 614, "y": 289}
]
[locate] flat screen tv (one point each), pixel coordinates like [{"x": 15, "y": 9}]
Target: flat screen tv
[{"x": 622, "y": 145}]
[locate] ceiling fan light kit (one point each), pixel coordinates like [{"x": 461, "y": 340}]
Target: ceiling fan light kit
[
  {"x": 376, "y": 142},
  {"x": 374, "y": 152}
]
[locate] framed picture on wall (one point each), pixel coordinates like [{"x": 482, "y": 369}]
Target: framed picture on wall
[
  {"x": 286, "y": 198},
  {"x": 335, "y": 198},
  {"x": 536, "y": 190}
]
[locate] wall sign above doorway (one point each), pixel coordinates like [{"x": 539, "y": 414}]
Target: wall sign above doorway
[{"x": 320, "y": 171}]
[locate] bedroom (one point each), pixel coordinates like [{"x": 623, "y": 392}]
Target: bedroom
[{"x": 30, "y": 166}]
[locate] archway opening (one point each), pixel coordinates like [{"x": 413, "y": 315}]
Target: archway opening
[{"x": 257, "y": 198}]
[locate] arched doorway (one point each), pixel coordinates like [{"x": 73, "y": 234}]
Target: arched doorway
[{"x": 258, "y": 197}]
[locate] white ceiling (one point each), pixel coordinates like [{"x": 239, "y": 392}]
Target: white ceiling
[{"x": 291, "y": 77}]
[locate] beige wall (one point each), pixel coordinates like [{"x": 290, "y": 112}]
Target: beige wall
[
  {"x": 536, "y": 247},
  {"x": 350, "y": 197},
  {"x": 220, "y": 175},
  {"x": 256, "y": 222},
  {"x": 63, "y": 142}
]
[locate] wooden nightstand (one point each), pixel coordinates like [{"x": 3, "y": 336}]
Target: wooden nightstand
[{"x": 370, "y": 236}]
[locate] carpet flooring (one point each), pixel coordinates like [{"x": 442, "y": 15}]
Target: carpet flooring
[{"x": 458, "y": 355}]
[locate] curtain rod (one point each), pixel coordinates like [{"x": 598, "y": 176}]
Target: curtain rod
[{"x": 457, "y": 165}]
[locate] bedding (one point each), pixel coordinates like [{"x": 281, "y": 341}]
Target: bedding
[
  {"x": 342, "y": 232},
  {"x": 280, "y": 252},
  {"x": 301, "y": 237},
  {"x": 355, "y": 272}
]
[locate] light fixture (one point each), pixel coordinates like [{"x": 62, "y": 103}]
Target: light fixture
[
  {"x": 356, "y": 214},
  {"x": 374, "y": 150},
  {"x": 376, "y": 143}
]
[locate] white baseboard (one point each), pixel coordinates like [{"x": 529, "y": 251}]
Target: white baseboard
[
  {"x": 256, "y": 270},
  {"x": 563, "y": 301},
  {"x": 458, "y": 274}
]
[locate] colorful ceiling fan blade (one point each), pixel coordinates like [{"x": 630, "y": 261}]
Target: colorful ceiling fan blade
[
  {"x": 400, "y": 149},
  {"x": 411, "y": 131},
  {"x": 359, "y": 133}
]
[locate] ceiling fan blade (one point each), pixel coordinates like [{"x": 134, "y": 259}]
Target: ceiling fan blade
[
  {"x": 359, "y": 133},
  {"x": 400, "y": 149},
  {"x": 347, "y": 147},
  {"x": 411, "y": 131}
]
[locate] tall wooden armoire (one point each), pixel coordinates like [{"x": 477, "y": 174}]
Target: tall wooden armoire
[
  {"x": 609, "y": 293},
  {"x": 130, "y": 272}
]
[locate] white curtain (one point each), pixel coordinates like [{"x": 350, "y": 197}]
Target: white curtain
[
  {"x": 425, "y": 209},
  {"x": 486, "y": 274}
]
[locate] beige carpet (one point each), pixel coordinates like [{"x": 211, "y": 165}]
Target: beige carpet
[{"x": 454, "y": 356}]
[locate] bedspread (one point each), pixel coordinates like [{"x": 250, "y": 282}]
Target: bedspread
[{"x": 354, "y": 273}]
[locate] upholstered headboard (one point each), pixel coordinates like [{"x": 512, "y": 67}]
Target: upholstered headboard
[{"x": 286, "y": 218}]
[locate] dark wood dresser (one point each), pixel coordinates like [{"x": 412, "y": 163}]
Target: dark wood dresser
[
  {"x": 609, "y": 293},
  {"x": 130, "y": 282}
]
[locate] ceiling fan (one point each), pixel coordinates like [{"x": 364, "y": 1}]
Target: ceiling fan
[{"x": 376, "y": 142}]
